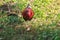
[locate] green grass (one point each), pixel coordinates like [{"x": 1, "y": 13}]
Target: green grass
[{"x": 45, "y": 24}]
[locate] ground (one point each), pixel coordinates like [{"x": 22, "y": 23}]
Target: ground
[{"x": 45, "y": 24}]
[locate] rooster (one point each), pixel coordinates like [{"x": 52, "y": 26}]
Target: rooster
[{"x": 28, "y": 13}]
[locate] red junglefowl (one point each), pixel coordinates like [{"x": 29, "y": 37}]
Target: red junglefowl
[{"x": 28, "y": 13}]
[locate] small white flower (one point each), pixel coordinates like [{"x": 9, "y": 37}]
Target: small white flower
[{"x": 28, "y": 29}]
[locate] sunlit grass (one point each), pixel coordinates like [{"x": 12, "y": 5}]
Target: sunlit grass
[{"x": 45, "y": 24}]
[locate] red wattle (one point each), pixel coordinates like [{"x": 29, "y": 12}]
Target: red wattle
[{"x": 27, "y": 14}]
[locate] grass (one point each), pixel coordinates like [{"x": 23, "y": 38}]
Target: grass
[{"x": 45, "y": 24}]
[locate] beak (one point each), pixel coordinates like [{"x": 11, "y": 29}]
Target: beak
[{"x": 28, "y": 6}]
